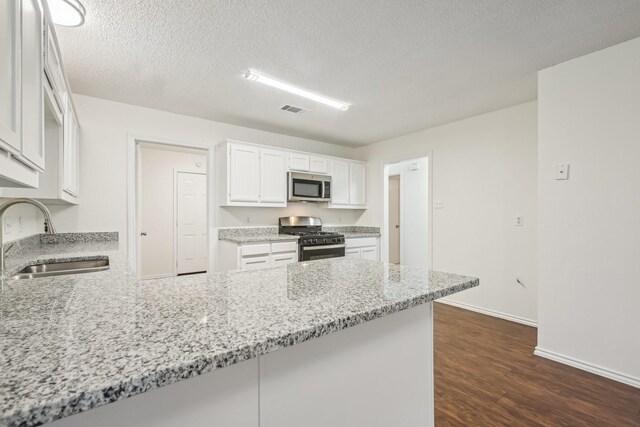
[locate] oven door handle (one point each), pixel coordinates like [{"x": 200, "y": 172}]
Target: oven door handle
[{"x": 317, "y": 248}]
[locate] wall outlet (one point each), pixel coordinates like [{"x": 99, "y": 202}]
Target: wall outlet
[
  {"x": 9, "y": 224},
  {"x": 20, "y": 224},
  {"x": 519, "y": 221},
  {"x": 562, "y": 171},
  {"x": 248, "y": 220},
  {"x": 438, "y": 204}
]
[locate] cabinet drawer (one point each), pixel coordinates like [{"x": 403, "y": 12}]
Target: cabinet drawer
[
  {"x": 254, "y": 263},
  {"x": 352, "y": 253},
  {"x": 283, "y": 259},
  {"x": 370, "y": 253},
  {"x": 261, "y": 249},
  {"x": 359, "y": 242},
  {"x": 284, "y": 247}
]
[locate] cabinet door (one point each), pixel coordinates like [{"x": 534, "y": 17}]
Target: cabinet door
[
  {"x": 352, "y": 252},
  {"x": 370, "y": 253},
  {"x": 340, "y": 182},
  {"x": 70, "y": 153},
  {"x": 244, "y": 174},
  {"x": 299, "y": 162},
  {"x": 273, "y": 177},
  {"x": 318, "y": 164},
  {"x": 10, "y": 94},
  {"x": 32, "y": 86},
  {"x": 357, "y": 184},
  {"x": 254, "y": 263},
  {"x": 53, "y": 68}
]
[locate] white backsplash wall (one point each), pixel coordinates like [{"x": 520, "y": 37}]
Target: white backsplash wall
[
  {"x": 242, "y": 217},
  {"x": 32, "y": 221}
]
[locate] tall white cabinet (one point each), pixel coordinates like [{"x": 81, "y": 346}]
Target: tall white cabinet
[{"x": 39, "y": 130}]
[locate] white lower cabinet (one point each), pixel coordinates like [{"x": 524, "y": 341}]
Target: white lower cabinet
[
  {"x": 254, "y": 256},
  {"x": 363, "y": 248}
]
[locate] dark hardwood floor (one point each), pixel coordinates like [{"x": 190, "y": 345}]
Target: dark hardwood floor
[{"x": 487, "y": 375}]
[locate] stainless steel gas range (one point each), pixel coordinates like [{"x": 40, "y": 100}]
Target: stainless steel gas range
[{"x": 313, "y": 243}]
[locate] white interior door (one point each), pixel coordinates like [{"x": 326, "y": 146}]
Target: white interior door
[
  {"x": 394, "y": 219},
  {"x": 191, "y": 222}
]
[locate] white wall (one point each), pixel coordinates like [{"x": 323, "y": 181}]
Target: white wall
[
  {"x": 157, "y": 203},
  {"x": 104, "y": 129},
  {"x": 32, "y": 221},
  {"x": 589, "y": 228},
  {"x": 414, "y": 211},
  {"x": 484, "y": 171}
]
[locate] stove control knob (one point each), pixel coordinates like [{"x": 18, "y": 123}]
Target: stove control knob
[{"x": 314, "y": 240}]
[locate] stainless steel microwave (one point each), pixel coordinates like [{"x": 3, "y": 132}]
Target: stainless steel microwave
[{"x": 308, "y": 187}]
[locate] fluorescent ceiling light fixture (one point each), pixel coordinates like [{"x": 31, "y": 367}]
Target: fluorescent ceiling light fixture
[
  {"x": 251, "y": 75},
  {"x": 69, "y": 13}
]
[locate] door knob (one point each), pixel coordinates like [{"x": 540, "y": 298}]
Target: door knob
[
  {"x": 144, "y": 233},
  {"x": 397, "y": 226}
]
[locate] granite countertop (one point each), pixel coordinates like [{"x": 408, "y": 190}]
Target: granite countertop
[
  {"x": 260, "y": 238},
  {"x": 253, "y": 234},
  {"x": 353, "y": 235},
  {"x": 72, "y": 343},
  {"x": 270, "y": 234}
]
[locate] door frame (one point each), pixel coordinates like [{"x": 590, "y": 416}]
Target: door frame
[
  {"x": 384, "y": 203},
  {"x": 400, "y": 198},
  {"x": 175, "y": 216},
  {"x": 133, "y": 210}
]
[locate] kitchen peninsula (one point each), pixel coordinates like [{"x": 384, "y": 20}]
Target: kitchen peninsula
[{"x": 338, "y": 342}]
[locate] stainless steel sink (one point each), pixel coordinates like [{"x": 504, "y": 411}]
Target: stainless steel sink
[{"x": 62, "y": 268}]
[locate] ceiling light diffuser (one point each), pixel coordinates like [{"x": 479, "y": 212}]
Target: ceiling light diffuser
[
  {"x": 251, "y": 75},
  {"x": 69, "y": 13}
]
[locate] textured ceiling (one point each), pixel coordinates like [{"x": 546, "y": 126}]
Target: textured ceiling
[{"x": 403, "y": 65}]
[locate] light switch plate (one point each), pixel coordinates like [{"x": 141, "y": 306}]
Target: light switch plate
[{"x": 562, "y": 171}]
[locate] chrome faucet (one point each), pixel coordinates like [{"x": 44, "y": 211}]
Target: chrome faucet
[{"x": 48, "y": 225}]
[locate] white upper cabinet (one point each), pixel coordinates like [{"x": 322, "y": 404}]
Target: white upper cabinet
[
  {"x": 299, "y": 162},
  {"x": 251, "y": 175},
  {"x": 10, "y": 93},
  {"x": 357, "y": 184},
  {"x": 348, "y": 184},
  {"x": 339, "y": 182},
  {"x": 244, "y": 174},
  {"x": 53, "y": 69},
  {"x": 273, "y": 177},
  {"x": 33, "y": 150},
  {"x": 256, "y": 175},
  {"x": 318, "y": 164}
]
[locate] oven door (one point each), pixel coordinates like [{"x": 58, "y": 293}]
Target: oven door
[
  {"x": 307, "y": 187},
  {"x": 310, "y": 253}
]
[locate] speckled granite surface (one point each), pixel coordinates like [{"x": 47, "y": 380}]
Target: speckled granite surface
[
  {"x": 354, "y": 231},
  {"x": 71, "y": 343},
  {"x": 252, "y": 234}
]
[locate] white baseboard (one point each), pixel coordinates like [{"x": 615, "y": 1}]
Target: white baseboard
[
  {"x": 491, "y": 313},
  {"x": 589, "y": 367}
]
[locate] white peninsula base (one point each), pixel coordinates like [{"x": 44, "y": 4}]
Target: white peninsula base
[{"x": 379, "y": 373}]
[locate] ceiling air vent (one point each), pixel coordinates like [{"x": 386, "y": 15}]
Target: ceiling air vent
[{"x": 292, "y": 109}]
